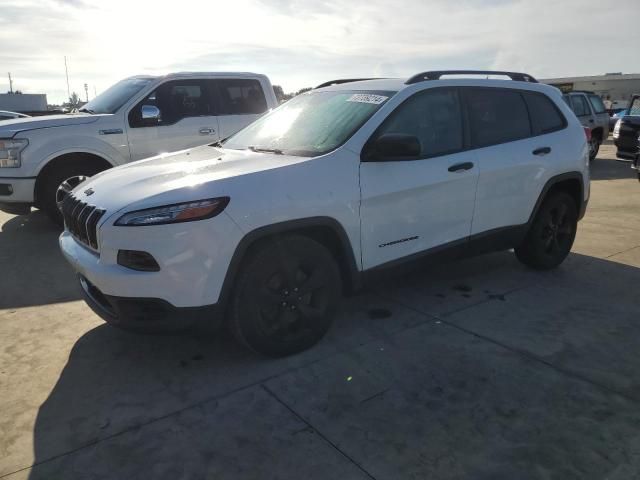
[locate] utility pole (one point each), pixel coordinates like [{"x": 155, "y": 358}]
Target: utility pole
[
  {"x": 67, "y": 73},
  {"x": 86, "y": 92},
  {"x": 10, "y": 83}
]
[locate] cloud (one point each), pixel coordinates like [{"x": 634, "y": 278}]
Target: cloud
[{"x": 301, "y": 43}]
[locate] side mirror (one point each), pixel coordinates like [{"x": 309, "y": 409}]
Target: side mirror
[
  {"x": 393, "y": 147},
  {"x": 150, "y": 114}
]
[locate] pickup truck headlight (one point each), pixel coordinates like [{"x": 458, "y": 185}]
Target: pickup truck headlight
[
  {"x": 176, "y": 213},
  {"x": 10, "y": 150}
]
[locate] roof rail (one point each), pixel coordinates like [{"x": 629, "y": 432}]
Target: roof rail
[
  {"x": 344, "y": 80},
  {"x": 436, "y": 74}
]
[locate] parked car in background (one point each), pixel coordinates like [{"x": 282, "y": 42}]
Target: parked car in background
[
  {"x": 136, "y": 118},
  {"x": 7, "y": 115},
  {"x": 591, "y": 112},
  {"x": 353, "y": 178},
  {"x": 627, "y": 132},
  {"x": 616, "y": 114}
]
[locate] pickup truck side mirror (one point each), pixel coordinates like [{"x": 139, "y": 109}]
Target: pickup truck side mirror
[
  {"x": 150, "y": 114},
  {"x": 392, "y": 147}
]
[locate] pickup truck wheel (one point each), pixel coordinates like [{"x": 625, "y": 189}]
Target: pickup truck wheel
[
  {"x": 285, "y": 296},
  {"x": 551, "y": 235},
  {"x": 60, "y": 182},
  {"x": 594, "y": 147}
]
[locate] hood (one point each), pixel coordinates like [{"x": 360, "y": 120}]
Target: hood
[
  {"x": 183, "y": 176},
  {"x": 8, "y": 128}
]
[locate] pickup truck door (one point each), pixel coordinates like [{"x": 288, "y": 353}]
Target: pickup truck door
[{"x": 188, "y": 118}]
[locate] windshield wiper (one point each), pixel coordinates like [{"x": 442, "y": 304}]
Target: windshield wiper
[
  {"x": 277, "y": 151},
  {"x": 88, "y": 110}
]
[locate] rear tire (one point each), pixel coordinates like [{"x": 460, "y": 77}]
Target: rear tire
[
  {"x": 73, "y": 173},
  {"x": 552, "y": 233},
  {"x": 285, "y": 296}
]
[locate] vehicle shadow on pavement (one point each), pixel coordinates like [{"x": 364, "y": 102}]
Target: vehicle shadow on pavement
[
  {"x": 33, "y": 269},
  {"x": 607, "y": 169},
  {"x": 116, "y": 386}
]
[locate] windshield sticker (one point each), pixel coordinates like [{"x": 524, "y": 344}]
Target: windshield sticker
[{"x": 367, "y": 98}]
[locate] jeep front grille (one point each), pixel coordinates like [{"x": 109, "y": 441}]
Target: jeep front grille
[{"x": 81, "y": 219}]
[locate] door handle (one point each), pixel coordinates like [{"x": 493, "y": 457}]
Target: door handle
[
  {"x": 591, "y": 120},
  {"x": 207, "y": 131},
  {"x": 542, "y": 151},
  {"x": 460, "y": 167}
]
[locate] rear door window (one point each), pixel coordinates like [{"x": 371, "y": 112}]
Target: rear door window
[
  {"x": 579, "y": 105},
  {"x": 597, "y": 104},
  {"x": 241, "y": 96},
  {"x": 496, "y": 116},
  {"x": 545, "y": 116}
]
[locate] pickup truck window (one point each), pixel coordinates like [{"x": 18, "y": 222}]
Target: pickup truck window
[
  {"x": 115, "y": 96},
  {"x": 596, "y": 103},
  {"x": 241, "y": 96},
  {"x": 176, "y": 100},
  {"x": 579, "y": 105}
]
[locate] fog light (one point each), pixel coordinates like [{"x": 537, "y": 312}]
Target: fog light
[{"x": 137, "y": 260}]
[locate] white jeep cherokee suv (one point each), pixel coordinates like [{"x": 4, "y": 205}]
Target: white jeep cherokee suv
[
  {"x": 43, "y": 158},
  {"x": 267, "y": 229}
]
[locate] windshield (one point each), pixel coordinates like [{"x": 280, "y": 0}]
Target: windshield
[
  {"x": 115, "y": 96},
  {"x": 310, "y": 124}
]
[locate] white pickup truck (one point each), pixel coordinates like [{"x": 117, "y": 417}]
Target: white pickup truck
[{"x": 43, "y": 158}]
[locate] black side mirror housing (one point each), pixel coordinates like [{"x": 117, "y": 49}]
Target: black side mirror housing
[{"x": 392, "y": 147}]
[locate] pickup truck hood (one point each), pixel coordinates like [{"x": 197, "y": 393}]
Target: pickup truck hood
[
  {"x": 177, "y": 177},
  {"x": 8, "y": 128}
]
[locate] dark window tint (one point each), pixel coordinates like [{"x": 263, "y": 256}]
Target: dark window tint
[
  {"x": 579, "y": 105},
  {"x": 596, "y": 103},
  {"x": 545, "y": 117},
  {"x": 496, "y": 116},
  {"x": 241, "y": 96},
  {"x": 434, "y": 117},
  {"x": 176, "y": 100}
]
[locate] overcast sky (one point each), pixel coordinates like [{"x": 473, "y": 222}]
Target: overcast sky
[{"x": 301, "y": 43}]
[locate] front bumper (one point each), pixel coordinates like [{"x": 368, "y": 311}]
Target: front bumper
[
  {"x": 147, "y": 314},
  {"x": 16, "y": 194}
]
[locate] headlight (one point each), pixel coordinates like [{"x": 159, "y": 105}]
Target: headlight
[
  {"x": 177, "y": 213},
  {"x": 10, "y": 152},
  {"x": 616, "y": 130}
]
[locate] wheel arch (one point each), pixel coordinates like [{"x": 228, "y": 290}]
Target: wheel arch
[
  {"x": 599, "y": 132},
  {"x": 63, "y": 158},
  {"x": 325, "y": 230},
  {"x": 570, "y": 182}
]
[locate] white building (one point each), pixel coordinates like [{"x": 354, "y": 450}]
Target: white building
[
  {"x": 617, "y": 87},
  {"x": 23, "y": 102}
]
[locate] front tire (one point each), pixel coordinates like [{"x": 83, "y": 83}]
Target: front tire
[
  {"x": 594, "y": 148},
  {"x": 285, "y": 296},
  {"x": 552, "y": 233},
  {"x": 60, "y": 181}
]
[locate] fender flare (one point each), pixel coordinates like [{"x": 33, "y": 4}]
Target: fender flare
[
  {"x": 575, "y": 175},
  {"x": 350, "y": 266}
]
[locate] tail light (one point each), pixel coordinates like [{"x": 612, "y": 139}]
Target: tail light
[{"x": 587, "y": 133}]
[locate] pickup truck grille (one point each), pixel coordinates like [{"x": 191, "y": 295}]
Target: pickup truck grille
[{"x": 81, "y": 219}]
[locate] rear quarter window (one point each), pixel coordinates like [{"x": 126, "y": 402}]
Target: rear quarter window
[{"x": 545, "y": 116}]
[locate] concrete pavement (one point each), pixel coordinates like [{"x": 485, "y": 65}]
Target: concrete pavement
[{"x": 479, "y": 369}]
